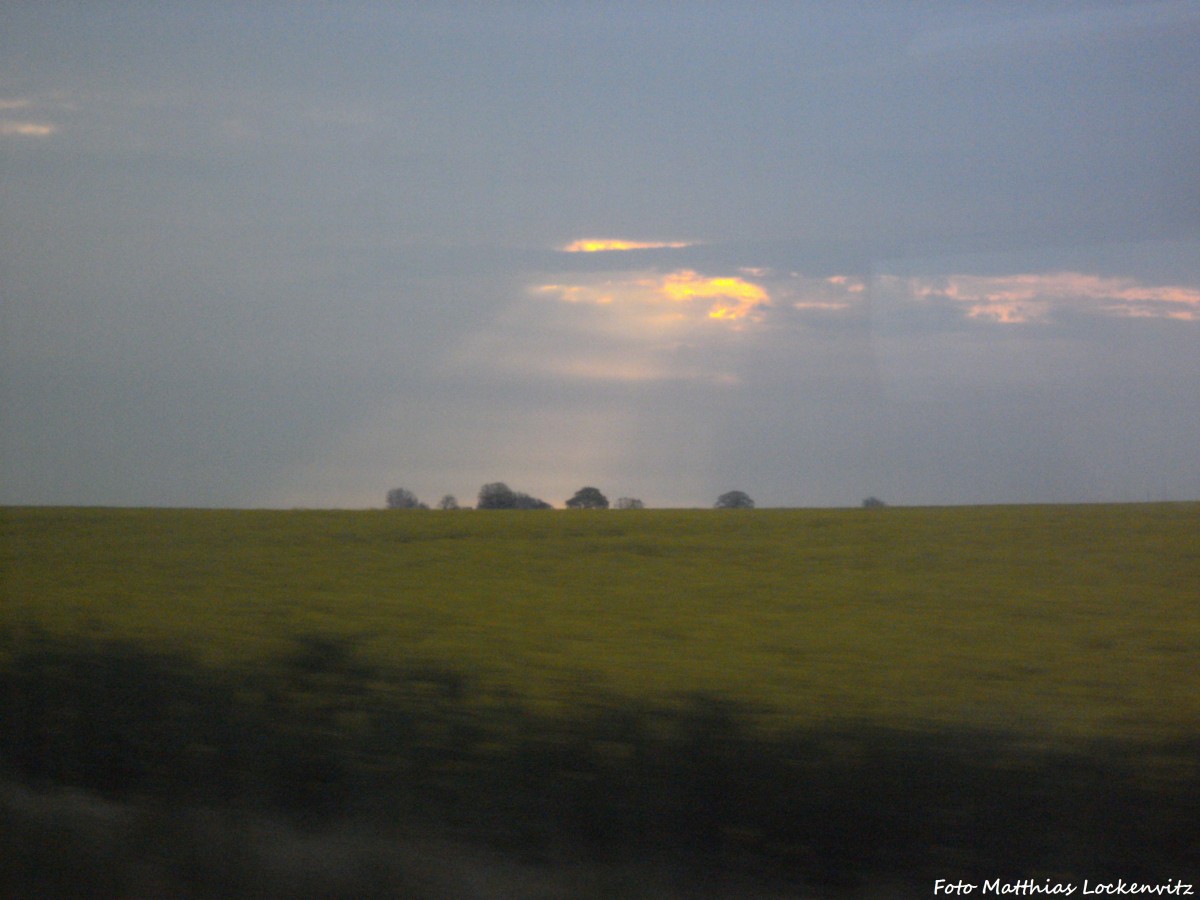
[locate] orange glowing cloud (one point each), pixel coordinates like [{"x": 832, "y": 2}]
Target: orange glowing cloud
[{"x": 605, "y": 245}]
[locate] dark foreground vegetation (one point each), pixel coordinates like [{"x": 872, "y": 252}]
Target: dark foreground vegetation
[{"x": 357, "y": 765}]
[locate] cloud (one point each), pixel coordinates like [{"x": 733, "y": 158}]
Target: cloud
[
  {"x": 1035, "y": 297},
  {"x": 9, "y": 128},
  {"x": 34, "y": 115},
  {"x": 681, "y": 296},
  {"x": 733, "y": 297},
  {"x": 837, "y": 293},
  {"x": 606, "y": 245},
  {"x": 679, "y": 325},
  {"x": 637, "y": 326}
]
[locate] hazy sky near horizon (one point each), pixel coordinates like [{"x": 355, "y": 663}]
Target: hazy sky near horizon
[{"x": 296, "y": 254}]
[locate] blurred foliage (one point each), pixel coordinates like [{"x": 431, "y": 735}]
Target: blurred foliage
[{"x": 323, "y": 736}]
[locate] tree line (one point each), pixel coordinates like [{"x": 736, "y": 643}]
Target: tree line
[{"x": 498, "y": 495}]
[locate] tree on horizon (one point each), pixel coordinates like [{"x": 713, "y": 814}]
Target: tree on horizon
[
  {"x": 588, "y": 498},
  {"x": 734, "y": 500}
]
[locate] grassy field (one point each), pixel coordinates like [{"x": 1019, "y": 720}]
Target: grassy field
[
  {"x": 830, "y": 700},
  {"x": 1070, "y": 621}
]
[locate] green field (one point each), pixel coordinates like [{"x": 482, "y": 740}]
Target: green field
[
  {"x": 822, "y": 700},
  {"x": 1056, "y": 621}
]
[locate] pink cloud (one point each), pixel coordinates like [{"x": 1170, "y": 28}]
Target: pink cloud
[{"x": 1033, "y": 297}]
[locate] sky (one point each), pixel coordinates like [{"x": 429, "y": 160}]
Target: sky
[{"x": 297, "y": 254}]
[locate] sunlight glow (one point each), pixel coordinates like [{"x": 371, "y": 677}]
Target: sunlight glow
[{"x": 604, "y": 245}]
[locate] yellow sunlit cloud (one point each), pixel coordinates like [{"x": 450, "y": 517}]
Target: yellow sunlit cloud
[
  {"x": 27, "y": 129},
  {"x": 604, "y": 245},
  {"x": 728, "y": 298},
  {"x": 734, "y": 298}
]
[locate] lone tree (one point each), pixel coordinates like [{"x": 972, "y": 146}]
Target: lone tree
[
  {"x": 873, "y": 503},
  {"x": 630, "y": 503},
  {"x": 734, "y": 500},
  {"x": 448, "y": 502},
  {"x": 588, "y": 498},
  {"x": 402, "y": 498}
]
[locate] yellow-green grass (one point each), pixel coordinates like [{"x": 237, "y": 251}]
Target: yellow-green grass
[{"x": 1068, "y": 621}]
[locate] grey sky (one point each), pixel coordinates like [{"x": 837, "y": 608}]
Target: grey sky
[{"x": 295, "y": 254}]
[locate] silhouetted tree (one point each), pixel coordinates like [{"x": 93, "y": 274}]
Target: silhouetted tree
[
  {"x": 630, "y": 503},
  {"x": 524, "y": 501},
  {"x": 448, "y": 502},
  {"x": 499, "y": 495},
  {"x": 496, "y": 495},
  {"x": 588, "y": 498},
  {"x": 873, "y": 503},
  {"x": 734, "y": 500},
  {"x": 402, "y": 498}
]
